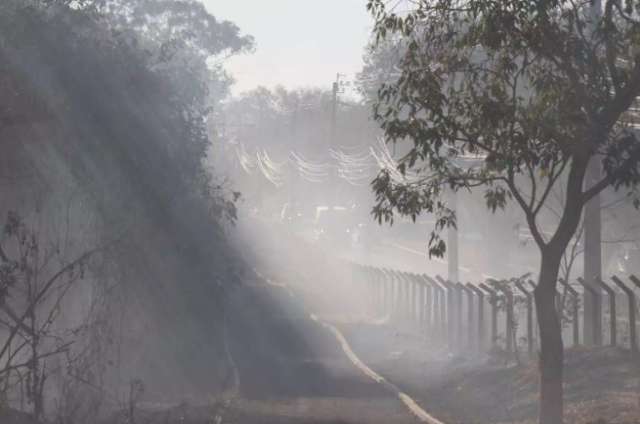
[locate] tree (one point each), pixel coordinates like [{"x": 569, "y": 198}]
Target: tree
[
  {"x": 98, "y": 115},
  {"x": 531, "y": 92},
  {"x": 381, "y": 60}
]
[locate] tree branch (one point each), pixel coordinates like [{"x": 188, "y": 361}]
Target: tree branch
[
  {"x": 530, "y": 217},
  {"x": 15, "y": 318},
  {"x": 630, "y": 162},
  {"x": 553, "y": 178},
  {"x": 46, "y": 287},
  {"x": 623, "y": 99},
  {"x": 61, "y": 349}
]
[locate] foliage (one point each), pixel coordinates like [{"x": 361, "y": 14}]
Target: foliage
[
  {"x": 515, "y": 98},
  {"x": 105, "y": 133},
  {"x": 491, "y": 93},
  {"x": 279, "y": 118}
]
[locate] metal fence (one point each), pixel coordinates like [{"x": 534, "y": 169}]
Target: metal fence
[{"x": 496, "y": 315}]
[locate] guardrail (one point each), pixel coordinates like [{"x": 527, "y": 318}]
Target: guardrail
[{"x": 491, "y": 314}]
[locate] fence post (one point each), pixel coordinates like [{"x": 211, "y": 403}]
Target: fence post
[
  {"x": 433, "y": 314},
  {"x": 426, "y": 303},
  {"x": 451, "y": 311},
  {"x": 470, "y": 330},
  {"x": 635, "y": 281},
  {"x": 366, "y": 286},
  {"x": 372, "y": 287},
  {"x": 409, "y": 300},
  {"x": 595, "y": 317},
  {"x": 360, "y": 284},
  {"x": 613, "y": 339},
  {"x": 481, "y": 329},
  {"x": 493, "y": 300},
  {"x": 430, "y": 311},
  {"x": 417, "y": 301},
  {"x": 388, "y": 288},
  {"x": 385, "y": 289},
  {"x": 422, "y": 301},
  {"x": 406, "y": 297},
  {"x": 443, "y": 308},
  {"x": 439, "y": 313},
  {"x": 575, "y": 315},
  {"x": 509, "y": 318},
  {"x": 529, "y": 301},
  {"x": 413, "y": 298},
  {"x": 400, "y": 288},
  {"x": 460, "y": 315},
  {"x": 559, "y": 304},
  {"x": 381, "y": 290},
  {"x": 633, "y": 344},
  {"x": 393, "y": 299},
  {"x": 414, "y": 301}
]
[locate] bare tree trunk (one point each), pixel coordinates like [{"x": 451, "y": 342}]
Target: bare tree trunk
[{"x": 551, "y": 347}]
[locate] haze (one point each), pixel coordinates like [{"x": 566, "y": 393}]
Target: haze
[{"x": 319, "y": 212}]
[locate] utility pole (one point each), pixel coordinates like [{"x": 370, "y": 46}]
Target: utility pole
[
  {"x": 593, "y": 258},
  {"x": 334, "y": 107},
  {"x": 593, "y": 237},
  {"x": 334, "y": 126}
]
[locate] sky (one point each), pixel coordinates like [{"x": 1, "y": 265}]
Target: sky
[{"x": 299, "y": 43}]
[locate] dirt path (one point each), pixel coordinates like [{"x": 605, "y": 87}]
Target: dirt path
[{"x": 293, "y": 370}]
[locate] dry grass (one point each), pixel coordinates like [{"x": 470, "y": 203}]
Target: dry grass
[{"x": 601, "y": 385}]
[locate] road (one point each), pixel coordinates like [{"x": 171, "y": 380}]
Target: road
[{"x": 292, "y": 369}]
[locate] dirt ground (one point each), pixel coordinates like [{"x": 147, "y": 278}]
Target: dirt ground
[{"x": 602, "y": 384}]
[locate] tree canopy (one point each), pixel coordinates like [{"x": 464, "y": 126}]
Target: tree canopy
[{"x": 518, "y": 88}]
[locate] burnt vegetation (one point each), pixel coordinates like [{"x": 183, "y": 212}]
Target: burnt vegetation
[{"x": 113, "y": 233}]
